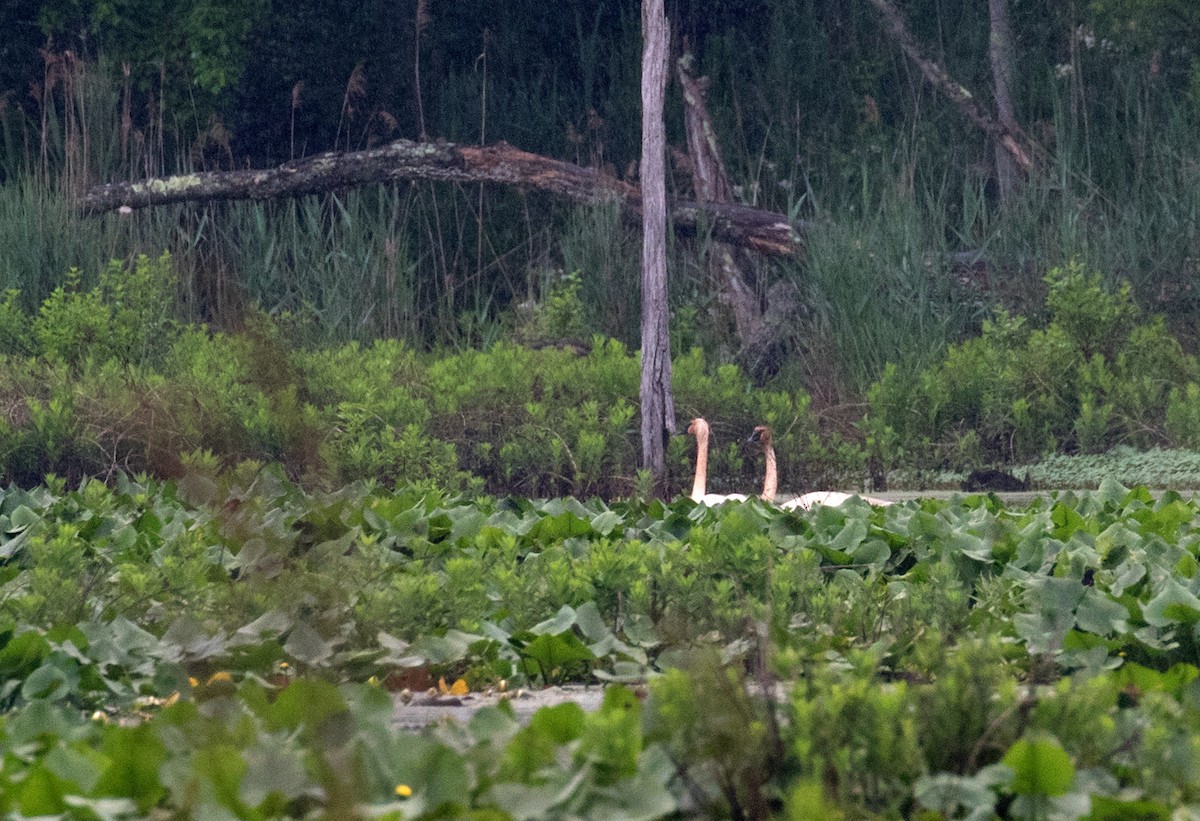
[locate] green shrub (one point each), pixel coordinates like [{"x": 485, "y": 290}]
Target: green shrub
[
  {"x": 72, "y": 325},
  {"x": 1095, "y": 375},
  {"x": 1183, "y": 416},
  {"x": 128, "y": 316},
  {"x": 859, "y": 738},
  {"x": 16, "y": 333},
  {"x": 364, "y": 445}
]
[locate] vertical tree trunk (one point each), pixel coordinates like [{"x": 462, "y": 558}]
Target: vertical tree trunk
[
  {"x": 658, "y": 405},
  {"x": 1001, "y": 53}
]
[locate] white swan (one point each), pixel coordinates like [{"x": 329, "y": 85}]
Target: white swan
[
  {"x": 699, "y": 429},
  {"x": 829, "y": 498}
]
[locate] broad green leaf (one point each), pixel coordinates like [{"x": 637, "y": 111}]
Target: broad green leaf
[
  {"x": 556, "y": 528},
  {"x": 436, "y": 774},
  {"x": 872, "y": 552},
  {"x": 188, "y": 638},
  {"x": 468, "y": 523},
  {"x": 135, "y": 755},
  {"x": 1041, "y": 767},
  {"x": 1099, "y": 614},
  {"x": 305, "y": 701},
  {"x": 1112, "y": 492},
  {"x": 551, "y": 656},
  {"x": 848, "y": 538},
  {"x": 304, "y": 644},
  {"x": 606, "y": 522},
  {"x": 590, "y": 622},
  {"x": 41, "y": 793},
  {"x": 22, "y": 654},
  {"x": 48, "y": 682},
  {"x": 40, "y": 720},
  {"x": 272, "y": 624},
  {"x": 969, "y": 545},
  {"x": 612, "y": 737},
  {"x": 80, "y": 766},
  {"x": 1174, "y": 604},
  {"x": 10, "y": 546},
  {"x": 524, "y": 802},
  {"x": 444, "y": 649},
  {"x": 1105, "y": 808},
  {"x": 222, "y": 765},
  {"x": 490, "y": 724},
  {"x": 22, "y": 517},
  {"x": 560, "y": 724},
  {"x": 562, "y": 621},
  {"x": 1067, "y": 521}
]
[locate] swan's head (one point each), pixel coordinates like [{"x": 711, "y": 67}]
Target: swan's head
[{"x": 761, "y": 434}]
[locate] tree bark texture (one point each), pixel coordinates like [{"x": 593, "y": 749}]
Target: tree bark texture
[
  {"x": 1012, "y": 139},
  {"x": 1002, "y": 56},
  {"x": 764, "y": 231},
  {"x": 711, "y": 182},
  {"x": 657, "y": 401}
]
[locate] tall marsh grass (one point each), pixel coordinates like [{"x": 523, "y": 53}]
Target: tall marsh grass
[{"x": 894, "y": 186}]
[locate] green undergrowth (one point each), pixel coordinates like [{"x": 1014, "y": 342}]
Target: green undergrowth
[
  {"x": 1158, "y": 468},
  {"x": 1094, "y": 373},
  {"x": 102, "y": 378},
  {"x": 222, "y": 644}
]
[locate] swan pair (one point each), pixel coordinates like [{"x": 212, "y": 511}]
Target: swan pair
[{"x": 761, "y": 434}]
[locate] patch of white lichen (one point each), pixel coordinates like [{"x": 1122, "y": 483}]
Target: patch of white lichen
[{"x": 169, "y": 185}]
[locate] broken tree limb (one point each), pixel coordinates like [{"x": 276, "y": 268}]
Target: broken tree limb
[
  {"x": 758, "y": 331},
  {"x": 764, "y": 231},
  {"x": 711, "y": 183},
  {"x": 1014, "y": 141}
]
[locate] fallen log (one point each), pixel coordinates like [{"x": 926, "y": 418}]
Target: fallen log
[{"x": 767, "y": 232}]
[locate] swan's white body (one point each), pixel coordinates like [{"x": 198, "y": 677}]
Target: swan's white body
[
  {"x": 699, "y": 429},
  {"x": 829, "y": 498}
]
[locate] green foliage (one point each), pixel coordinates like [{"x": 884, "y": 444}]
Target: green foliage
[
  {"x": 943, "y": 656},
  {"x": 561, "y": 315},
  {"x": 724, "y": 740},
  {"x": 1093, "y": 375},
  {"x": 201, "y": 46},
  {"x": 127, "y": 317}
]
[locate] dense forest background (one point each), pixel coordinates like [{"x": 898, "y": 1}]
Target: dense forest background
[{"x": 910, "y": 250}]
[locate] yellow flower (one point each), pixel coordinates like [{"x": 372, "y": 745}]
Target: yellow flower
[
  {"x": 192, "y": 680},
  {"x": 218, "y": 676},
  {"x": 403, "y": 790}
]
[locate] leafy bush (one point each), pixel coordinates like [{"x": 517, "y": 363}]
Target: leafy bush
[
  {"x": 128, "y": 316},
  {"x": 1096, "y": 374}
]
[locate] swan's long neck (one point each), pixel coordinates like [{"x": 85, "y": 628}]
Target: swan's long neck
[
  {"x": 701, "y": 481},
  {"x": 770, "y": 474}
]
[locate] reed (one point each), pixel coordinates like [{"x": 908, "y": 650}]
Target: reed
[{"x": 894, "y": 185}]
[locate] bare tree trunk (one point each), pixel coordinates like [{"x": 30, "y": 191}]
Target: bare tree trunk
[
  {"x": 1000, "y": 51},
  {"x": 658, "y": 404},
  {"x": 1013, "y": 140}
]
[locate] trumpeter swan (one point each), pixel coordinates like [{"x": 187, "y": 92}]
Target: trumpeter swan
[
  {"x": 762, "y": 435},
  {"x": 808, "y": 500},
  {"x": 699, "y": 429}
]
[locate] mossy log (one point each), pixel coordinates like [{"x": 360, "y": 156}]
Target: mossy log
[{"x": 764, "y": 231}]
